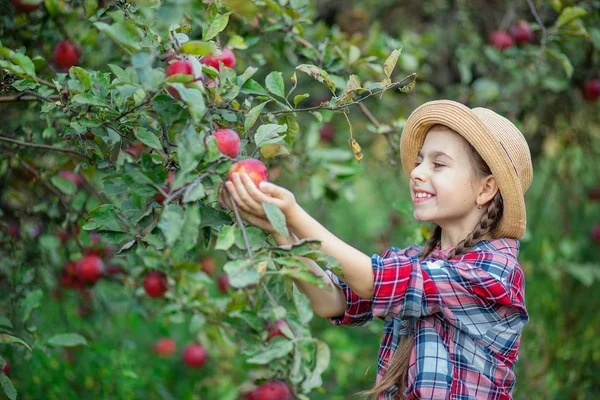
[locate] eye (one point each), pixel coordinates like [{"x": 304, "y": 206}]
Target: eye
[
  {"x": 417, "y": 164},
  {"x": 438, "y": 165}
]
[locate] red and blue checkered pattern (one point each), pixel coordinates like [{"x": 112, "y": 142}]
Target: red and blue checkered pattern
[{"x": 467, "y": 315}]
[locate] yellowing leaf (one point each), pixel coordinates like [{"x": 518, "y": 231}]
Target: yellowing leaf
[
  {"x": 390, "y": 63},
  {"x": 356, "y": 149},
  {"x": 319, "y": 74},
  {"x": 352, "y": 85}
]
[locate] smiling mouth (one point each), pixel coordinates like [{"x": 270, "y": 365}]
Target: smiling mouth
[{"x": 422, "y": 196}]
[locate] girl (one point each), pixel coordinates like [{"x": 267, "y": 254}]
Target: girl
[{"x": 454, "y": 309}]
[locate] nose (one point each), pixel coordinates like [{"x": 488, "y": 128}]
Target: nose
[{"x": 419, "y": 173}]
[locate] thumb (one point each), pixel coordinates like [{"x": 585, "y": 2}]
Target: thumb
[{"x": 270, "y": 188}]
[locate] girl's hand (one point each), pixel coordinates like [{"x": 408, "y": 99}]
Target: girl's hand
[
  {"x": 249, "y": 198},
  {"x": 259, "y": 222}
]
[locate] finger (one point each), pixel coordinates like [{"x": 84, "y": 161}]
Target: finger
[
  {"x": 256, "y": 194},
  {"x": 231, "y": 191},
  {"x": 273, "y": 193},
  {"x": 250, "y": 204}
]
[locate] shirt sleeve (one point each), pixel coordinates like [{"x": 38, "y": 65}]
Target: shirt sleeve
[
  {"x": 358, "y": 310},
  {"x": 473, "y": 286}
]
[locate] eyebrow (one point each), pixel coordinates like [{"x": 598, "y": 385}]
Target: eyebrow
[{"x": 435, "y": 154}]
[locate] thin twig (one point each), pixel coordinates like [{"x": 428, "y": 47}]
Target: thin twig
[
  {"x": 345, "y": 105},
  {"x": 45, "y": 147},
  {"x": 43, "y": 82},
  {"x": 32, "y": 97},
  {"x": 370, "y": 116},
  {"x": 134, "y": 109},
  {"x": 540, "y": 23}
]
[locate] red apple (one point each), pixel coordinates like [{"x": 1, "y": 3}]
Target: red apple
[
  {"x": 194, "y": 355},
  {"x": 271, "y": 390},
  {"x": 327, "y": 132},
  {"x": 226, "y": 56},
  {"x": 596, "y": 234},
  {"x": 165, "y": 347},
  {"x": 228, "y": 142},
  {"x": 594, "y": 194},
  {"x": 13, "y": 229},
  {"x": 223, "y": 283},
  {"x": 274, "y": 329},
  {"x": 591, "y": 89},
  {"x": 209, "y": 265},
  {"x": 90, "y": 268},
  {"x": 521, "y": 32},
  {"x": 501, "y": 40},
  {"x": 66, "y": 55},
  {"x": 156, "y": 284},
  {"x": 251, "y": 166},
  {"x": 72, "y": 176},
  {"x": 24, "y": 7},
  {"x": 183, "y": 67},
  {"x": 68, "y": 276},
  {"x": 6, "y": 368},
  {"x": 135, "y": 150}
]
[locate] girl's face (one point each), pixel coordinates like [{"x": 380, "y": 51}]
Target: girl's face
[{"x": 443, "y": 183}]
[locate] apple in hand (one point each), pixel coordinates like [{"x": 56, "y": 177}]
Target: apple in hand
[
  {"x": 521, "y": 32},
  {"x": 194, "y": 355},
  {"x": 501, "y": 40},
  {"x": 591, "y": 89},
  {"x": 155, "y": 284},
  {"x": 226, "y": 56},
  {"x": 165, "y": 347},
  {"x": 251, "y": 166},
  {"x": 66, "y": 55},
  {"x": 228, "y": 142},
  {"x": 90, "y": 268}
]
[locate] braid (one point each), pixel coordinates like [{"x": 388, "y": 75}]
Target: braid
[
  {"x": 432, "y": 242},
  {"x": 487, "y": 224}
]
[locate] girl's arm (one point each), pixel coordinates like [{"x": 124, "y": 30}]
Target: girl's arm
[
  {"x": 357, "y": 267},
  {"x": 326, "y": 303}
]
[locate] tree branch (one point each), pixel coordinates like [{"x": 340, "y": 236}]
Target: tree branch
[
  {"x": 540, "y": 23},
  {"x": 45, "y": 147},
  {"x": 33, "y": 96}
]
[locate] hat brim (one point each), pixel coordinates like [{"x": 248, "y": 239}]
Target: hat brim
[{"x": 464, "y": 121}]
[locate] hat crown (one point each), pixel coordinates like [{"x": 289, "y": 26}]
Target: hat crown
[{"x": 512, "y": 141}]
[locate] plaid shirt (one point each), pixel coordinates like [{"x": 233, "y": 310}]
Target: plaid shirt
[{"x": 467, "y": 315}]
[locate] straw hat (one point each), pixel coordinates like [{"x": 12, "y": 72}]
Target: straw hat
[{"x": 500, "y": 144}]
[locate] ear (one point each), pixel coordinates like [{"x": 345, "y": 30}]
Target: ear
[{"x": 487, "y": 189}]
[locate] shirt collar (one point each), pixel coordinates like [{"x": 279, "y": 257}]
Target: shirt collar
[{"x": 504, "y": 245}]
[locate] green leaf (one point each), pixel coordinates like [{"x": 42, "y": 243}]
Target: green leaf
[
  {"x": 248, "y": 73},
  {"x": 66, "y": 186},
  {"x": 318, "y": 74},
  {"x": 298, "y": 98},
  {"x": 6, "y": 338},
  {"x": 268, "y": 133},
  {"x": 31, "y": 302},
  {"x": 198, "y": 48},
  {"x": 569, "y": 14},
  {"x": 82, "y": 75},
  {"x": 26, "y": 66},
  {"x": 563, "y": 59},
  {"x": 194, "y": 100},
  {"x": 148, "y": 138},
  {"x": 7, "y": 386},
  {"x": 189, "y": 149},
  {"x": 277, "y": 348},
  {"x": 67, "y": 340},
  {"x": 274, "y": 83},
  {"x": 276, "y": 218},
  {"x": 226, "y": 238},
  {"x": 195, "y": 191},
  {"x": 189, "y": 232},
  {"x": 322, "y": 357},
  {"x": 103, "y": 217},
  {"x": 216, "y": 25},
  {"x": 242, "y": 273},
  {"x": 302, "y": 304},
  {"x": 171, "y": 222},
  {"x": 253, "y": 87},
  {"x": 88, "y": 99},
  {"x": 124, "y": 33},
  {"x": 390, "y": 63},
  {"x": 253, "y": 115}
]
